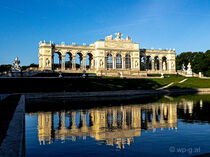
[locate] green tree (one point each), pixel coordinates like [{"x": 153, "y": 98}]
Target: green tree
[
  {"x": 183, "y": 58},
  {"x": 200, "y": 61},
  {"x": 5, "y": 67}
]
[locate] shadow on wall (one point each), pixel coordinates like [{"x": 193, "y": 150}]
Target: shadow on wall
[{"x": 7, "y": 108}]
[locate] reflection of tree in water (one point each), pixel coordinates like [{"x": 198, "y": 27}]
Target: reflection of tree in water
[{"x": 199, "y": 112}]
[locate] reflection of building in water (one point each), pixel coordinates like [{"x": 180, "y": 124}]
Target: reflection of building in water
[
  {"x": 187, "y": 106},
  {"x": 201, "y": 104},
  {"x": 115, "y": 125}
]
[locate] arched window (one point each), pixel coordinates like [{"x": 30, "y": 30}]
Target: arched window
[
  {"x": 109, "y": 62},
  {"x": 127, "y": 61},
  {"x": 142, "y": 63},
  {"x": 164, "y": 63},
  {"x": 89, "y": 61},
  {"x": 68, "y": 60},
  {"x": 118, "y": 61},
  {"x": 78, "y": 59},
  {"x": 56, "y": 60},
  {"x": 157, "y": 63},
  {"x": 149, "y": 63}
]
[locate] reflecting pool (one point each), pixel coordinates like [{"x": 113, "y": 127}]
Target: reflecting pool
[{"x": 175, "y": 126}]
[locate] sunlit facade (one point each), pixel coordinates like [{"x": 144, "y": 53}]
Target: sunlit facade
[{"x": 109, "y": 57}]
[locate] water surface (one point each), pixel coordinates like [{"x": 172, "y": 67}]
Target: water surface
[{"x": 169, "y": 126}]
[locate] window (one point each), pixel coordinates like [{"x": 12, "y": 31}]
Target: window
[
  {"x": 118, "y": 61},
  {"x": 109, "y": 62},
  {"x": 127, "y": 61}
]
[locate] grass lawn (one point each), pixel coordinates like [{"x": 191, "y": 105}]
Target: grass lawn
[
  {"x": 193, "y": 83},
  {"x": 169, "y": 79},
  {"x": 25, "y": 85}
]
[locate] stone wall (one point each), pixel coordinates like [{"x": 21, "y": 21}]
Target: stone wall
[{"x": 13, "y": 144}]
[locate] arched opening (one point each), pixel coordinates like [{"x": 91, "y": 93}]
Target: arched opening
[
  {"x": 149, "y": 62},
  {"x": 164, "y": 63},
  {"x": 157, "y": 62},
  {"x": 89, "y": 61},
  {"x": 118, "y": 61},
  {"x": 142, "y": 63},
  {"x": 79, "y": 60},
  {"x": 127, "y": 61},
  {"x": 56, "y": 60},
  {"x": 68, "y": 60},
  {"x": 109, "y": 61}
]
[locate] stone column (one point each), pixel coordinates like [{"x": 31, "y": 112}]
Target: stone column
[
  {"x": 153, "y": 64},
  {"x": 84, "y": 62},
  {"x": 124, "y": 120},
  {"x": 131, "y": 62},
  {"x": 114, "y": 118},
  {"x": 74, "y": 126},
  {"x": 153, "y": 115},
  {"x": 63, "y": 62},
  {"x": 62, "y": 120},
  {"x": 123, "y": 62},
  {"x": 114, "y": 63},
  {"x": 73, "y": 62},
  {"x": 52, "y": 62},
  {"x": 160, "y": 64},
  {"x": 167, "y": 65},
  {"x": 161, "y": 114}
]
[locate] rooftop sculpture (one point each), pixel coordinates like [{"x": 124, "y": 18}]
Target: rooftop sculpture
[{"x": 16, "y": 65}]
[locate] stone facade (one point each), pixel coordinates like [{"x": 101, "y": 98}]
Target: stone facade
[{"x": 110, "y": 57}]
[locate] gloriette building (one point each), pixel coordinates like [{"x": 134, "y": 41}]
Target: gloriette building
[{"x": 109, "y": 57}]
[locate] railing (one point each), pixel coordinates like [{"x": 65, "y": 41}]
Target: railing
[
  {"x": 64, "y": 44},
  {"x": 184, "y": 73}
]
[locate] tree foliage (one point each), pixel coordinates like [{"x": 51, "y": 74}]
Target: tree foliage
[
  {"x": 5, "y": 67},
  {"x": 200, "y": 61},
  {"x": 31, "y": 65}
]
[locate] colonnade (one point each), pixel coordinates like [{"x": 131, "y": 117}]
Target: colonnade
[
  {"x": 75, "y": 61},
  {"x": 85, "y": 62},
  {"x": 102, "y": 124},
  {"x": 154, "y": 63}
]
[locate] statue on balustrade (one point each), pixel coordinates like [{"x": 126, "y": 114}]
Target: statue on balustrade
[
  {"x": 16, "y": 65},
  {"x": 189, "y": 69}
]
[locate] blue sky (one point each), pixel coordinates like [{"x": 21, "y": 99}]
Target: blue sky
[{"x": 180, "y": 24}]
